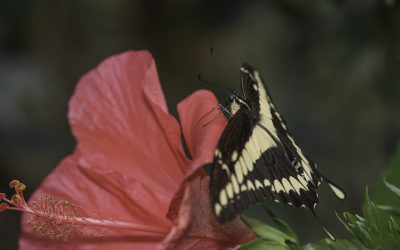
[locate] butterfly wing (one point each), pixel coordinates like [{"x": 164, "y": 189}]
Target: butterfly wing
[
  {"x": 225, "y": 183},
  {"x": 272, "y": 121},
  {"x": 254, "y": 86},
  {"x": 255, "y": 158}
]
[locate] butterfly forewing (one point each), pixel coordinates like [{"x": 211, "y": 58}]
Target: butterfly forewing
[
  {"x": 257, "y": 158},
  {"x": 272, "y": 120}
]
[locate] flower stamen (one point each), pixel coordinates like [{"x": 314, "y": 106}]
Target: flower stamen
[{"x": 60, "y": 219}]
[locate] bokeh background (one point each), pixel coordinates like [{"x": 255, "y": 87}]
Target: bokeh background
[{"x": 332, "y": 67}]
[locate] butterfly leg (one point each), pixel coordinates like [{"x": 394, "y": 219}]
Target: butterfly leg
[
  {"x": 206, "y": 114},
  {"x": 224, "y": 109},
  {"x": 209, "y": 122},
  {"x": 220, "y": 108}
]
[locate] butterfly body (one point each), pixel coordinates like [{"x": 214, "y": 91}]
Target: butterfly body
[{"x": 257, "y": 158}]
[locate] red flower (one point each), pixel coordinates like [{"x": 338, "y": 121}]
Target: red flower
[{"x": 129, "y": 173}]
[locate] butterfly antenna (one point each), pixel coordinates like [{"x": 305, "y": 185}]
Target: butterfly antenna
[
  {"x": 323, "y": 227},
  {"x": 212, "y": 83}
]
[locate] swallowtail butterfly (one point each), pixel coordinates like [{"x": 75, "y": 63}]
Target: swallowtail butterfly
[{"x": 257, "y": 158}]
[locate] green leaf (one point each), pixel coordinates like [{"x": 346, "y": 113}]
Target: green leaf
[
  {"x": 343, "y": 222},
  {"x": 283, "y": 226},
  {"x": 371, "y": 212},
  {"x": 390, "y": 209},
  {"x": 260, "y": 244},
  {"x": 394, "y": 227},
  {"x": 339, "y": 244},
  {"x": 381, "y": 194},
  {"x": 267, "y": 232},
  {"x": 362, "y": 230},
  {"x": 395, "y": 190},
  {"x": 386, "y": 193}
]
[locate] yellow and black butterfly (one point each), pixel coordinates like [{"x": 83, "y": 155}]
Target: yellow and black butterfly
[{"x": 257, "y": 158}]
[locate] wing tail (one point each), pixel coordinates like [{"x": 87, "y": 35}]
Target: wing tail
[
  {"x": 336, "y": 190},
  {"x": 323, "y": 227}
]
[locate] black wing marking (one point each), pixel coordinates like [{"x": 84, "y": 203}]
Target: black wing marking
[
  {"x": 256, "y": 155},
  {"x": 271, "y": 120},
  {"x": 233, "y": 139},
  {"x": 259, "y": 171},
  {"x": 269, "y": 111},
  {"x": 252, "y": 164}
]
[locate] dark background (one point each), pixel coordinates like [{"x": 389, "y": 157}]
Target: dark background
[{"x": 332, "y": 67}]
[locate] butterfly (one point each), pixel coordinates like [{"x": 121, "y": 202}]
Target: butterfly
[{"x": 257, "y": 158}]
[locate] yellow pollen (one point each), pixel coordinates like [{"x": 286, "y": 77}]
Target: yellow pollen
[
  {"x": 21, "y": 186},
  {"x": 16, "y": 199}
]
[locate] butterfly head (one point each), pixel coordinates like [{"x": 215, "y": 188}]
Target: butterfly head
[
  {"x": 232, "y": 95},
  {"x": 235, "y": 102}
]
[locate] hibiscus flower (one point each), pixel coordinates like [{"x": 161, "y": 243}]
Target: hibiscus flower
[{"x": 129, "y": 183}]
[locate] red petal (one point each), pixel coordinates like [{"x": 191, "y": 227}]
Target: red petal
[
  {"x": 119, "y": 116},
  {"x": 130, "y": 160},
  {"x": 196, "y": 227},
  {"x": 194, "y": 113},
  {"x": 190, "y": 210},
  {"x": 69, "y": 182}
]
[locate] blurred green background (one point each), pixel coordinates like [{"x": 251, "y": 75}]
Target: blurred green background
[{"x": 332, "y": 67}]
